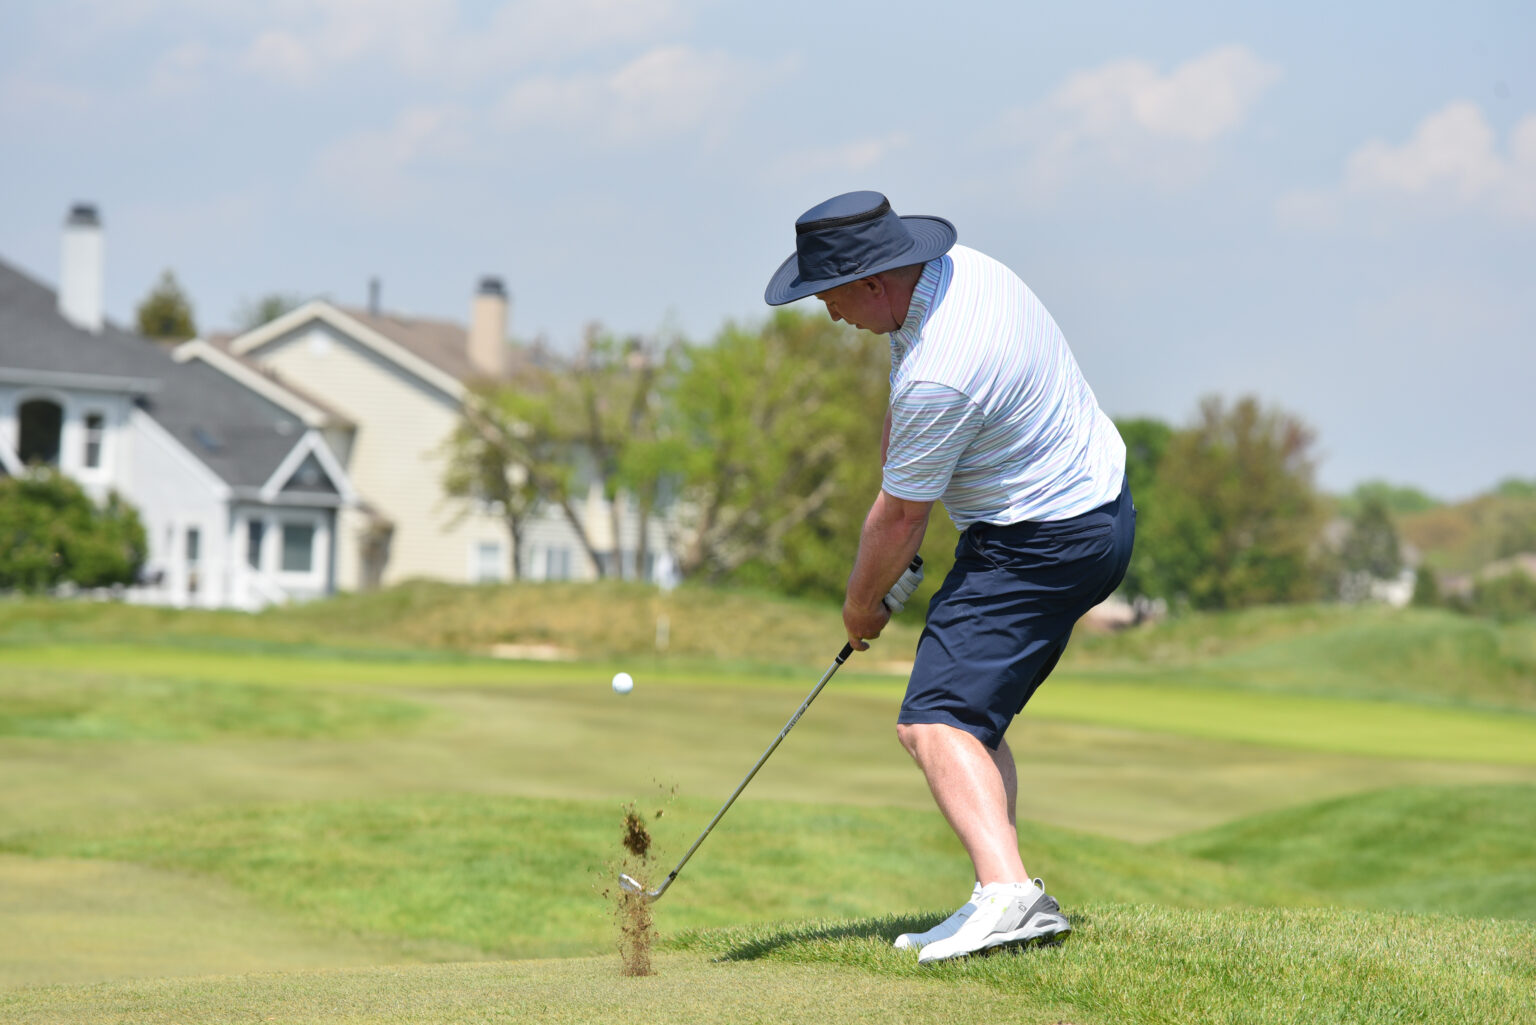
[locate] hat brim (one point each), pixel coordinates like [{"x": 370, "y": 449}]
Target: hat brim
[{"x": 932, "y": 237}]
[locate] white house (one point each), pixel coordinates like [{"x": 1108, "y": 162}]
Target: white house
[
  {"x": 400, "y": 383},
  {"x": 238, "y": 488}
]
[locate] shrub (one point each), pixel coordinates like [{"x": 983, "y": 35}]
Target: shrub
[{"x": 51, "y": 532}]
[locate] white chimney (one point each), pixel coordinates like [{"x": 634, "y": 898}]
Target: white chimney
[
  {"x": 488, "y": 329},
  {"x": 80, "y": 280}
]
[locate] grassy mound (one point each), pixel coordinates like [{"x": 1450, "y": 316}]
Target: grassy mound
[{"x": 1465, "y": 850}]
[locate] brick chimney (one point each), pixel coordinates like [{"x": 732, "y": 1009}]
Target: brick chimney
[
  {"x": 488, "y": 328},
  {"x": 80, "y": 277}
]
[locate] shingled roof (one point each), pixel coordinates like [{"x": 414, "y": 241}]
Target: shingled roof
[{"x": 239, "y": 435}]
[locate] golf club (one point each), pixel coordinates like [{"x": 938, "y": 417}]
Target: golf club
[{"x": 632, "y": 885}]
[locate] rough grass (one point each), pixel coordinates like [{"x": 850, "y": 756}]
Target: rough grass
[
  {"x": 1132, "y": 964},
  {"x": 1466, "y": 850}
]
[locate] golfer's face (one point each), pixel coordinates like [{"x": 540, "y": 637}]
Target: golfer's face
[{"x": 860, "y": 305}]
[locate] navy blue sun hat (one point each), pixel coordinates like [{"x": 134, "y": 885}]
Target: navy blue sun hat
[{"x": 850, "y": 237}]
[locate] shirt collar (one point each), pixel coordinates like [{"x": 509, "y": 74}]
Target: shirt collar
[{"x": 923, "y": 294}]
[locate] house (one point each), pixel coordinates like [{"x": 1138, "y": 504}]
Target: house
[
  {"x": 238, "y": 488},
  {"x": 400, "y": 383}
]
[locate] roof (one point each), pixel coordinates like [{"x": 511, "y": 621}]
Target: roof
[
  {"x": 36, "y": 340},
  {"x": 237, "y": 433},
  {"x": 442, "y": 343}
]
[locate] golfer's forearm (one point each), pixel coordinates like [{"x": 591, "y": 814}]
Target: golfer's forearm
[{"x": 893, "y": 532}]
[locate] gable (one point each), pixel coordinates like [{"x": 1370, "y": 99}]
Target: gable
[{"x": 310, "y": 478}]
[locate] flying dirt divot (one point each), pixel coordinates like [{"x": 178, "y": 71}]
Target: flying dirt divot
[{"x": 633, "y": 910}]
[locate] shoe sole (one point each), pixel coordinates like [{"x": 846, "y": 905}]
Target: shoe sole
[{"x": 1018, "y": 940}]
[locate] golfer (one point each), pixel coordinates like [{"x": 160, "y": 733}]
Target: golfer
[{"x": 989, "y": 412}]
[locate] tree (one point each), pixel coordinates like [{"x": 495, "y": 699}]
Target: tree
[
  {"x": 1370, "y": 550},
  {"x": 486, "y": 464},
  {"x": 51, "y": 533},
  {"x": 1237, "y": 513},
  {"x": 1146, "y": 442},
  {"x": 166, "y": 313},
  {"x": 558, "y": 430},
  {"x": 777, "y": 432},
  {"x": 254, "y": 313}
]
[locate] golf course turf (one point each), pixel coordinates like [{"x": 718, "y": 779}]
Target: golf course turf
[{"x": 220, "y": 825}]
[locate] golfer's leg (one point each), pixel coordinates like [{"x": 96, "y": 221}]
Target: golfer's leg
[
  {"x": 1002, "y": 757},
  {"x": 970, "y": 791}
]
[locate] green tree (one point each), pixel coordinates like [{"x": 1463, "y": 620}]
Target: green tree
[
  {"x": 1237, "y": 514},
  {"x": 556, "y": 431},
  {"x": 777, "y": 431},
  {"x": 1146, "y": 442},
  {"x": 1370, "y": 550},
  {"x": 253, "y": 313},
  {"x": 1397, "y": 499},
  {"x": 166, "y": 313},
  {"x": 51, "y": 532}
]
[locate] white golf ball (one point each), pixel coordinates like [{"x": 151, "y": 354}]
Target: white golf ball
[{"x": 623, "y": 683}]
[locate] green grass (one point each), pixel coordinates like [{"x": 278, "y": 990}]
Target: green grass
[
  {"x": 1466, "y": 850},
  {"x": 97, "y": 704},
  {"x": 1124, "y": 965},
  {"x": 1283, "y": 815}
]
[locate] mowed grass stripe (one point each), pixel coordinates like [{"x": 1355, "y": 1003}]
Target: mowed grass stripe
[{"x": 1380, "y": 729}]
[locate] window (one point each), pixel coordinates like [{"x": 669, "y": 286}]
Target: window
[
  {"x": 489, "y": 564},
  {"x": 95, "y": 429},
  {"x": 255, "y": 530},
  {"x": 41, "y": 424},
  {"x": 194, "y": 553},
  {"x": 557, "y": 564},
  {"x": 298, "y": 547}
]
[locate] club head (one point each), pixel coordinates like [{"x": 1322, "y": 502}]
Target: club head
[{"x": 629, "y": 884}]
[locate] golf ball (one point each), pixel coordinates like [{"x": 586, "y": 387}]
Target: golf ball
[{"x": 623, "y": 683}]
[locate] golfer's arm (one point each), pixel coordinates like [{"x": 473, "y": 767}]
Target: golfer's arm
[{"x": 893, "y": 532}]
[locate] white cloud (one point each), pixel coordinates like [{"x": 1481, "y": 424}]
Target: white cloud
[
  {"x": 847, "y": 158},
  {"x": 1452, "y": 161},
  {"x": 664, "y": 92},
  {"x": 377, "y": 168},
  {"x": 432, "y": 39},
  {"x": 1141, "y": 123}
]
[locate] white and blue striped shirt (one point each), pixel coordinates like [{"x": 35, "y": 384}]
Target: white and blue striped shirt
[{"x": 989, "y": 410}]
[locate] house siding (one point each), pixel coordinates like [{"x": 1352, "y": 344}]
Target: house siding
[{"x": 397, "y": 462}]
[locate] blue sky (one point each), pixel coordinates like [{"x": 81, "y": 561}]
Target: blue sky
[{"x": 1334, "y": 210}]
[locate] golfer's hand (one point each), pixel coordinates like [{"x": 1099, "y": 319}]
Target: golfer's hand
[
  {"x": 901, "y": 592},
  {"x": 864, "y": 623}
]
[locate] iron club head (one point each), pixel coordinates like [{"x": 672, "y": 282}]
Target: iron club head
[{"x": 629, "y": 884}]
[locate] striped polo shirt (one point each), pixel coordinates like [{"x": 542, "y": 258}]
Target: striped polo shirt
[{"x": 989, "y": 410}]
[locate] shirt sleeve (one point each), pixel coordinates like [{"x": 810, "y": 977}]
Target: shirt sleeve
[{"x": 931, "y": 426}]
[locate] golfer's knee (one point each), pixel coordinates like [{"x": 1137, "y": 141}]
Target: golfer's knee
[{"x": 913, "y": 736}]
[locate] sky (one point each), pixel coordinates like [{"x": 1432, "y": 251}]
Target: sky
[{"x": 1331, "y": 207}]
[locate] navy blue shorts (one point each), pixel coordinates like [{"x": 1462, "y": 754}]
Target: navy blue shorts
[{"x": 1000, "y": 622}]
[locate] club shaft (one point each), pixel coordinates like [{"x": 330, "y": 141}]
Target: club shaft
[{"x": 841, "y": 658}]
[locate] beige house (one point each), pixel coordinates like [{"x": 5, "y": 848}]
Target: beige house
[{"x": 393, "y": 388}]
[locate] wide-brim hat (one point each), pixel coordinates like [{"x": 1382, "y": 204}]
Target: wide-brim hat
[{"x": 850, "y": 237}]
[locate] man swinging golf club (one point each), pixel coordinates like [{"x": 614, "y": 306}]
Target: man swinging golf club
[{"x": 989, "y": 412}]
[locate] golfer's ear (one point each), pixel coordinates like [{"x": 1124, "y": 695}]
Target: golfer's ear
[{"x": 875, "y": 284}]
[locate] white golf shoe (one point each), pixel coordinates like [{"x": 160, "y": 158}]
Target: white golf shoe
[
  {"x": 1007, "y": 914},
  {"x": 944, "y": 930}
]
